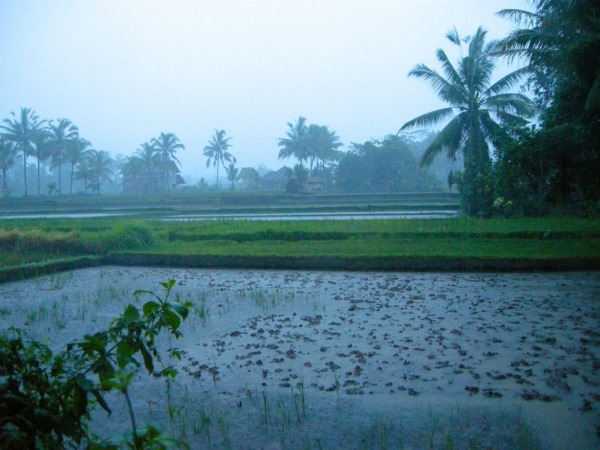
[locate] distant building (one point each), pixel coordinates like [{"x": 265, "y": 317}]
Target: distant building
[
  {"x": 276, "y": 180},
  {"x": 314, "y": 184}
]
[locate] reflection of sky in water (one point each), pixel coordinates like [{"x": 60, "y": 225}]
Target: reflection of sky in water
[
  {"x": 321, "y": 216},
  {"x": 62, "y": 216}
]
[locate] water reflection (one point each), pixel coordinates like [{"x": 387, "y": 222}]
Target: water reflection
[{"x": 320, "y": 216}]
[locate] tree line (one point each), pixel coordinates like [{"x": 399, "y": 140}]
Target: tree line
[
  {"x": 58, "y": 142},
  {"x": 511, "y": 166}
]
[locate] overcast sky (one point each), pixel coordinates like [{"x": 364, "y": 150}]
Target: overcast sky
[{"x": 126, "y": 70}]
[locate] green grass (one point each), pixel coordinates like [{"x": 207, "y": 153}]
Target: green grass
[{"x": 24, "y": 242}]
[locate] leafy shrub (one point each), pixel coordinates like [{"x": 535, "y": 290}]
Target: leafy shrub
[
  {"x": 45, "y": 242},
  {"x": 46, "y": 398},
  {"x": 128, "y": 236}
]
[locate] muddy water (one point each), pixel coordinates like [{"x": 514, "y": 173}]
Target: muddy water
[{"x": 352, "y": 360}]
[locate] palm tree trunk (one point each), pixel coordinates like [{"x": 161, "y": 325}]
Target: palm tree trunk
[
  {"x": 71, "y": 181},
  {"x": 25, "y": 170},
  {"x": 59, "y": 177},
  {"x": 4, "y": 183},
  {"x": 38, "y": 176}
]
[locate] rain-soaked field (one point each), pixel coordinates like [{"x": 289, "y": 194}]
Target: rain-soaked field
[{"x": 282, "y": 359}]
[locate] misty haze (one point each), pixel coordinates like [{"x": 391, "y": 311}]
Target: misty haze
[{"x": 285, "y": 224}]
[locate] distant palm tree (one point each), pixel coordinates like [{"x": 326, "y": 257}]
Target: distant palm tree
[
  {"x": 40, "y": 150},
  {"x": 167, "y": 145},
  {"x": 297, "y": 142},
  {"x": 467, "y": 90},
  {"x": 323, "y": 144},
  {"x": 8, "y": 157},
  {"x": 83, "y": 172},
  {"x": 133, "y": 166},
  {"x": 99, "y": 163},
  {"x": 233, "y": 173},
  {"x": 61, "y": 132},
  {"x": 148, "y": 155},
  {"x": 216, "y": 151},
  {"x": 76, "y": 149},
  {"x": 21, "y": 130}
]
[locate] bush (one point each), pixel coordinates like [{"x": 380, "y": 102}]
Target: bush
[
  {"x": 46, "y": 398},
  {"x": 128, "y": 236}
]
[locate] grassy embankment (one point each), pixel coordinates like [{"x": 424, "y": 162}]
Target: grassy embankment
[{"x": 29, "y": 247}]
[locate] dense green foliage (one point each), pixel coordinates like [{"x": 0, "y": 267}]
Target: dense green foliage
[
  {"x": 560, "y": 160},
  {"x": 383, "y": 166},
  {"x": 46, "y": 397},
  {"x": 483, "y": 112}
]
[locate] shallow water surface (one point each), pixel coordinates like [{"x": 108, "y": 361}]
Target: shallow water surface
[
  {"x": 294, "y": 359},
  {"x": 443, "y": 214}
]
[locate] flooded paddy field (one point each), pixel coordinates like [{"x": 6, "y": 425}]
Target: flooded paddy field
[{"x": 293, "y": 359}]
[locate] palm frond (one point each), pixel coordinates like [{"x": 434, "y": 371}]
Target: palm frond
[
  {"x": 431, "y": 118},
  {"x": 507, "y": 81},
  {"x": 520, "y": 17},
  {"x": 451, "y": 73},
  {"x": 509, "y": 119},
  {"x": 513, "y": 103},
  {"x": 441, "y": 86},
  {"x": 449, "y": 139}
]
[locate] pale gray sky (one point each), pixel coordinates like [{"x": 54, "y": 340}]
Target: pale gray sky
[{"x": 125, "y": 70}]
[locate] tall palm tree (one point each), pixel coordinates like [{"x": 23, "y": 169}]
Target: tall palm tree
[
  {"x": 167, "y": 145},
  {"x": 482, "y": 109},
  {"x": 233, "y": 173},
  {"x": 216, "y": 151},
  {"x": 83, "y": 172},
  {"x": 99, "y": 163},
  {"x": 323, "y": 144},
  {"x": 75, "y": 151},
  {"x": 559, "y": 40},
  {"x": 61, "y": 132},
  {"x": 40, "y": 150},
  {"x": 296, "y": 143},
  {"x": 8, "y": 156},
  {"x": 21, "y": 130},
  {"x": 148, "y": 155},
  {"x": 132, "y": 166}
]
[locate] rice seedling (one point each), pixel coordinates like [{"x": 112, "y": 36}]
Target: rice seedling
[
  {"x": 265, "y": 410},
  {"x": 223, "y": 425},
  {"x": 59, "y": 316},
  {"x": 201, "y": 425},
  {"x": 202, "y": 312}
]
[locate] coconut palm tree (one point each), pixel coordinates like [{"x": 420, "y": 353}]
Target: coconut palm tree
[
  {"x": 75, "y": 151},
  {"x": 233, "y": 173},
  {"x": 216, "y": 151},
  {"x": 61, "y": 132},
  {"x": 21, "y": 130},
  {"x": 99, "y": 163},
  {"x": 478, "y": 110},
  {"x": 558, "y": 41},
  {"x": 148, "y": 155},
  {"x": 167, "y": 145},
  {"x": 132, "y": 166},
  {"x": 296, "y": 143},
  {"x": 40, "y": 150},
  {"x": 8, "y": 157},
  {"x": 323, "y": 144},
  {"x": 83, "y": 172}
]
